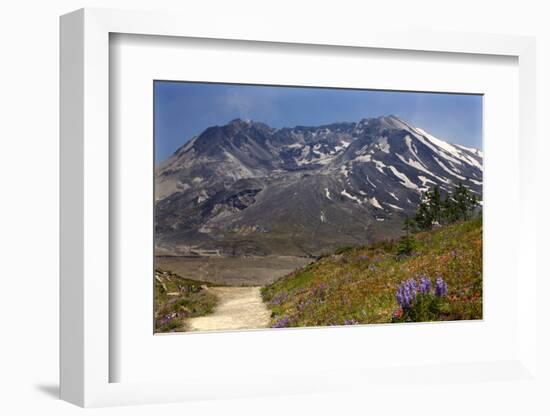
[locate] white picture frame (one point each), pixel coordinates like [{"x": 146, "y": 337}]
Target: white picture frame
[{"x": 86, "y": 356}]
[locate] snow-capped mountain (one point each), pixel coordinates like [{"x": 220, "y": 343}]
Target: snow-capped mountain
[{"x": 247, "y": 188}]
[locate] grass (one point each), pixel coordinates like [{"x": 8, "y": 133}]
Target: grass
[
  {"x": 358, "y": 284},
  {"x": 177, "y": 299}
]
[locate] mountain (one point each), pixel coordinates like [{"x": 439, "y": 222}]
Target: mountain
[{"x": 248, "y": 189}]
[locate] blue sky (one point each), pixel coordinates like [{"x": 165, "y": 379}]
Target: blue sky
[{"x": 183, "y": 110}]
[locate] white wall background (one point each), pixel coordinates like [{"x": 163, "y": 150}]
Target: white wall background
[{"x": 29, "y": 183}]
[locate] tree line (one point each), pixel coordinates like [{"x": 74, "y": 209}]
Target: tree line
[{"x": 437, "y": 209}]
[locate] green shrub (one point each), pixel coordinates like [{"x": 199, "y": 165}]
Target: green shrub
[{"x": 406, "y": 245}]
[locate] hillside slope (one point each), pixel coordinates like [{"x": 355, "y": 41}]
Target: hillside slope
[
  {"x": 178, "y": 299},
  {"x": 358, "y": 285}
]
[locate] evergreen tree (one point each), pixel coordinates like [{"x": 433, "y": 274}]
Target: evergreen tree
[
  {"x": 435, "y": 205},
  {"x": 464, "y": 201},
  {"x": 460, "y": 205},
  {"x": 450, "y": 212},
  {"x": 407, "y": 243},
  {"x": 423, "y": 217},
  {"x": 474, "y": 202}
]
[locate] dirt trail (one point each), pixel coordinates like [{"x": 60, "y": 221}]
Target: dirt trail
[{"x": 238, "y": 308}]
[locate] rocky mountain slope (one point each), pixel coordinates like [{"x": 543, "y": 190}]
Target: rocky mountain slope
[{"x": 248, "y": 189}]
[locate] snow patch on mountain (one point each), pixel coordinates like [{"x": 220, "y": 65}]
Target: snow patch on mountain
[
  {"x": 379, "y": 166},
  {"x": 454, "y": 150},
  {"x": 449, "y": 171},
  {"x": 393, "y": 196},
  {"x": 294, "y": 146},
  {"x": 414, "y": 164},
  {"x": 473, "y": 150},
  {"x": 412, "y": 147},
  {"x": 431, "y": 144},
  {"x": 383, "y": 145},
  {"x": 344, "y": 171},
  {"x": 202, "y": 197},
  {"x": 405, "y": 181},
  {"x": 374, "y": 202},
  {"x": 425, "y": 180},
  {"x": 347, "y": 195},
  {"x": 369, "y": 181},
  {"x": 363, "y": 158},
  {"x": 395, "y": 207}
]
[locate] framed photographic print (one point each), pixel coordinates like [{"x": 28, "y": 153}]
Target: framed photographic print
[{"x": 279, "y": 213}]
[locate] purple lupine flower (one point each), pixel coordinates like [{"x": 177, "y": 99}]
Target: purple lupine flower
[
  {"x": 279, "y": 298},
  {"x": 402, "y": 298},
  {"x": 319, "y": 291},
  {"x": 281, "y": 323},
  {"x": 425, "y": 285},
  {"x": 167, "y": 318},
  {"x": 441, "y": 288},
  {"x": 406, "y": 293}
]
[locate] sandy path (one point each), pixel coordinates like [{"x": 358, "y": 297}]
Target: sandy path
[{"x": 238, "y": 308}]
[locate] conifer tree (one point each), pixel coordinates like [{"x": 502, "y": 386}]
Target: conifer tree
[
  {"x": 407, "y": 243},
  {"x": 423, "y": 217},
  {"x": 434, "y": 204},
  {"x": 458, "y": 205},
  {"x": 450, "y": 210},
  {"x": 465, "y": 202}
]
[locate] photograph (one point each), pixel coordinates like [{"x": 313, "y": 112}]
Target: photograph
[{"x": 297, "y": 206}]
